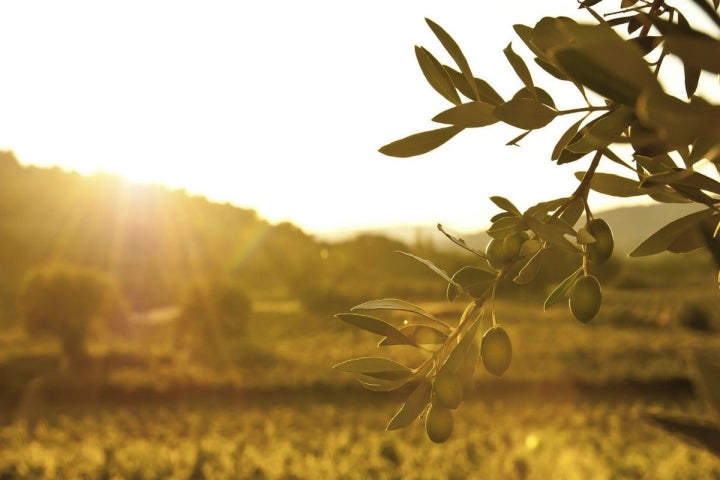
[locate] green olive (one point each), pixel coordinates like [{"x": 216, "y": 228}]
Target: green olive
[
  {"x": 439, "y": 423},
  {"x": 512, "y": 244},
  {"x": 447, "y": 390},
  {"x": 495, "y": 252},
  {"x": 496, "y": 351},
  {"x": 585, "y": 298},
  {"x": 602, "y": 248}
]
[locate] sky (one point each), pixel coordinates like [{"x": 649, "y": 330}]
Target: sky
[{"x": 279, "y": 106}]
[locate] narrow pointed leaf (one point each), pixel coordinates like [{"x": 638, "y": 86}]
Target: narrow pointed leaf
[
  {"x": 436, "y": 75},
  {"x": 432, "y": 267},
  {"x": 485, "y": 93},
  {"x": 519, "y": 66},
  {"x": 660, "y": 240},
  {"x": 454, "y": 50},
  {"x": 565, "y": 138},
  {"x": 413, "y": 406},
  {"x": 513, "y": 142},
  {"x": 697, "y": 50},
  {"x": 374, "y": 325},
  {"x": 551, "y": 233},
  {"x": 461, "y": 243},
  {"x": 506, "y": 226},
  {"x": 381, "y": 385},
  {"x": 614, "y": 185},
  {"x": 684, "y": 177},
  {"x": 525, "y": 113},
  {"x": 530, "y": 270},
  {"x": 393, "y": 304},
  {"x": 420, "y": 143},
  {"x": 536, "y": 93},
  {"x": 380, "y": 367},
  {"x": 506, "y": 205},
  {"x": 543, "y": 208},
  {"x": 420, "y": 335},
  {"x": 474, "y": 280},
  {"x": 468, "y": 115},
  {"x": 605, "y": 131},
  {"x": 573, "y": 212},
  {"x": 561, "y": 290}
]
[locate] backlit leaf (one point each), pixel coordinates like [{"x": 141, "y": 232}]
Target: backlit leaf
[
  {"x": 432, "y": 267},
  {"x": 605, "y": 131},
  {"x": 393, "y": 304},
  {"x": 683, "y": 177},
  {"x": 413, "y": 406},
  {"x": 461, "y": 243},
  {"x": 454, "y": 50},
  {"x": 525, "y": 113},
  {"x": 573, "y": 212},
  {"x": 519, "y": 66},
  {"x": 468, "y": 115},
  {"x": 474, "y": 280},
  {"x": 506, "y": 226},
  {"x": 420, "y": 143},
  {"x": 562, "y": 290},
  {"x": 380, "y": 367},
  {"x": 550, "y": 232},
  {"x": 615, "y": 185},
  {"x": 565, "y": 138},
  {"x": 382, "y": 385},
  {"x": 505, "y": 204},
  {"x": 530, "y": 270},
  {"x": 436, "y": 75},
  {"x": 374, "y": 325},
  {"x": 420, "y": 335},
  {"x": 660, "y": 240},
  {"x": 541, "y": 209}
]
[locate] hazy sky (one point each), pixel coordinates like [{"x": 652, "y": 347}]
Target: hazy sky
[{"x": 275, "y": 105}]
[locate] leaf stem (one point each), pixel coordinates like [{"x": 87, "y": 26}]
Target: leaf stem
[{"x": 590, "y": 108}]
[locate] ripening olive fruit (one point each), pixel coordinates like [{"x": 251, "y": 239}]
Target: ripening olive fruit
[
  {"x": 495, "y": 253},
  {"x": 496, "y": 351},
  {"x": 512, "y": 244},
  {"x": 602, "y": 248},
  {"x": 447, "y": 390},
  {"x": 585, "y": 298},
  {"x": 439, "y": 423}
]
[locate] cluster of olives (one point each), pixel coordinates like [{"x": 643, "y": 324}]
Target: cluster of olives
[
  {"x": 586, "y": 295},
  {"x": 447, "y": 389},
  {"x": 503, "y": 251}
]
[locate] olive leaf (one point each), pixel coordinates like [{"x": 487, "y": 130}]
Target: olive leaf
[
  {"x": 520, "y": 68},
  {"x": 473, "y": 280},
  {"x": 457, "y": 55},
  {"x": 505, "y": 204},
  {"x": 468, "y": 115},
  {"x": 552, "y": 232},
  {"x": 605, "y": 131},
  {"x": 413, "y": 406},
  {"x": 419, "y": 335},
  {"x": 615, "y": 185},
  {"x": 436, "y": 75},
  {"x": 506, "y": 226},
  {"x": 663, "y": 238},
  {"x": 420, "y": 143},
  {"x": 381, "y": 385},
  {"x": 485, "y": 92},
  {"x": 380, "y": 367},
  {"x": 432, "y": 267},
  {"x": 561, "y": 290},
  {"x": 529, "y": 271},
  {"x": 393, "y": 304},
  {"x": 573, "y": 210},
  {"x": 525, "y": 113},
  {"x": 565, "y": 138},
  {"x": 461, "y": 243},
  {"x": 374, "y": 325}
]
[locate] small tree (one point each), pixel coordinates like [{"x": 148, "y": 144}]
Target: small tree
[
  {"x": 62, "y": 300},
  {"x": 631, "y": 122},
  {"x": 211, "y": 311}
]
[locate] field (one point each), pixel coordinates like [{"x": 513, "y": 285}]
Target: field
[{"x": 570, "y": 406}]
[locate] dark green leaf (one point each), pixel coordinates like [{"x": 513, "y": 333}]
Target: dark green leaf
[
  {"x": 697, "y": 50},
  {"x": 520, "y": 68},
  {"x": 698, "y": 431},
  {"x": 562, "y": 289},
  {"x": 374, "y": 325},
  {"x": 688, "y": 241},
  {"x": 566, "y": 137},
  {"x": 506, "y": 205},
  {"x": 543, "y": 208},
  {"x": 431, "y": 266},
  {"x": 683, "y": 177},
  {"x": 420, "y": 335},
  {"x": 525, "y": 113},
  {"x": 551, "y": 69},
  {"x": 468, "y": 115},
  {"x": 420, "y": 143},
  {"x": 486, "y": 93},
  {"x": 413, "y": 406},
  {"x": 605, "y": 131},
  {"x": 379, "y": 367},
  {"x": 454, "y": 50},
  {"x": 436, "y": 75},
  {"x": 660, "y": 240},
  {"x": 646, "y": 44},
  {"x": 393, "y": 304},
  {"x": 614, "y": 185}
]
